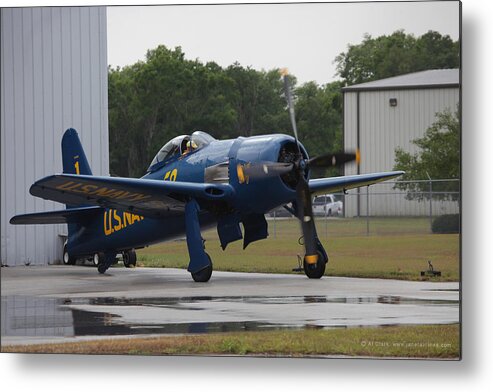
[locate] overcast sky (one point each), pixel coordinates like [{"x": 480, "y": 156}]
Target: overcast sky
[{"x": 305, "y": 38}]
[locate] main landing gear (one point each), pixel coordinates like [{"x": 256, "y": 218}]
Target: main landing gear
[
  {"x": 200, "y": 266},
  {"x": 104, "y": 261},
  {"x": 129, "y": 258},
  {"x": 204, "y": 274}
]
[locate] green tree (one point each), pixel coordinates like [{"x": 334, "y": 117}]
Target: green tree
[
  {"x": 150, "y": 102},
  {"x": 436, "y": 51},
  {"x": 155, "y": 100},
  {"x": 396, "y": 54},
  {"x": 258, "y": 101},
  {"x": 438, "y": 158},
  {"x": 319, "y": 120},
  {"x": 271, "y": 115},
  {"x": 124, "y": 118},
  {"x": 318, "y": 114}
]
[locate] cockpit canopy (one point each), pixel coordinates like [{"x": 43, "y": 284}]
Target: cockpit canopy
[{"x": 178, "y": 146}]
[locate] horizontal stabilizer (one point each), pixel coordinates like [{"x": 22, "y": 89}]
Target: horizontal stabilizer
[
  {"x": 73, "y": 215},
  {"x": 335, "y": 184}
]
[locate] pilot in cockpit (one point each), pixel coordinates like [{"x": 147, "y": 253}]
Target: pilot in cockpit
[{"x": 190, "y": 146}]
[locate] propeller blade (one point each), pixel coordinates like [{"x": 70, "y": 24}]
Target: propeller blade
[
  {"x": 303, "y": 196},
  {"x": 261, "y": 170},
  {"x": 329, "y": 160},
  {"x": 305, "y": 214},
  {"x": 289, "y": 99}
]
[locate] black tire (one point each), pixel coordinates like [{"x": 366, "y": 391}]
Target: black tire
[
  {"x": 130, "y": 258},
  {"x": 102, "y": 268},
  {"x": 98, "y": 258},
  {"x": 104, "y": 261},
  {"x": 66, "y": 258},
  {"x": 317, "y": 270},
  {"x": 205, "y": 274}
]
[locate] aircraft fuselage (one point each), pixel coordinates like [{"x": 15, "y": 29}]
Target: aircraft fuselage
[{"x": 216, "y": 162}]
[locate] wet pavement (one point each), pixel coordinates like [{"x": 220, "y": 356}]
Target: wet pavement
[{"x": 60, "y": 303}]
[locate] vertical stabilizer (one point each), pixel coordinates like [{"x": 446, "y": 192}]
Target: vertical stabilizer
[
  {"x": 74, "y": 162},
  {"x": 73, "y": 156}
]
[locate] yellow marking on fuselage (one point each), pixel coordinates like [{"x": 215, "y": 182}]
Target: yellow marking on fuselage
[
  {"x": 241, "y": 174},
  {"x": 107, "y": 223},
  {"x": 171, "y": 175},
  {"x": 127, "y": 219},
  {"x": 118, "y": 219},
  {"x": 114, "y": 220}
]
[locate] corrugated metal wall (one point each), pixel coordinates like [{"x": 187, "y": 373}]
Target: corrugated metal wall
[
  {"x": 53, "y": 77},
  {"x": 383, "y": 128}
]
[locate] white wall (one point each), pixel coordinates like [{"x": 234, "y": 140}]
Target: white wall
[
  {"x": 53, "y": 77},
  {"x": 383, "y": 128}
]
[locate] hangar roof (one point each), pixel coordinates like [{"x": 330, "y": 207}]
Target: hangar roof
[{"x": 435, "y": 78}]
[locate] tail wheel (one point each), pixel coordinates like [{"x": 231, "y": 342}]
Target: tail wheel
[
  {"x": 130, "y": 258},
  {"x": 204, "y": 274},
  {"x": 67, "y": 259}
]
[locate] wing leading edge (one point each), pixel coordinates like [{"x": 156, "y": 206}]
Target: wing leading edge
[
  {"x": 152, "y": 198},
  {"x": 334, "y": 184}
]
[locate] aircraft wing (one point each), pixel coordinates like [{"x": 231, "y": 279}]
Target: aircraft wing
[
  {"x": 334, "y": 184},
  {"x": 151, "y": 198}
]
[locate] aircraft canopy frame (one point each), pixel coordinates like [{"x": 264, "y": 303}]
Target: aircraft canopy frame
[{"x": 176, "y": 147}]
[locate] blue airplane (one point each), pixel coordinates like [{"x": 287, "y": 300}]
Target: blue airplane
[{"x": 193, "y": 183}]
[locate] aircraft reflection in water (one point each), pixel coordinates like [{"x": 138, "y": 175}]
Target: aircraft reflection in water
[{"x": 193, "y": 183}]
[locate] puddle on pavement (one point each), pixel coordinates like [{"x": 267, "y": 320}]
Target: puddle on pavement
[
  {"x": 42, "y": 316},
  {"x": 285, "y": 300}
]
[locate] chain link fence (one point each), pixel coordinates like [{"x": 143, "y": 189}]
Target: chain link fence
[{"x": 391, "y": 207}]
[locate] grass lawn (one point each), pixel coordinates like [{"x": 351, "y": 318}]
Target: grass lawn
[
  {"x": 397, "y": 248},
  {"x": 428, "y": 341}
]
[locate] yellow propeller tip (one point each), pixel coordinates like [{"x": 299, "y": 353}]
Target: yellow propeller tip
[{"x": 358, "y": 156}]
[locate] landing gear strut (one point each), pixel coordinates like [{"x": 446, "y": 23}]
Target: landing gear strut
[{"x": 200, "y": 266}]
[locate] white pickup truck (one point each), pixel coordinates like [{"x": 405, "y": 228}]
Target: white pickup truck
[{"x": 327, "y": 205}]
